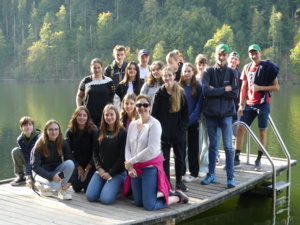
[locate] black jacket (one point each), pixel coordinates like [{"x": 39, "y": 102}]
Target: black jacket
[
  {"x": 115, "y": 73},
  {"x": 217, "y": 102},
  {"x": 121, "y": 90},
  {"x": 173, "y": 125},
  {"x": 45, "y": 166}
]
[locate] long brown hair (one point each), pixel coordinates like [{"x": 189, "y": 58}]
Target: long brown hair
[
  {"x": 42, "y": 143},
  {"x": 177, "y": 94},
  {"x": 182, "y": 81},
  {"x": 123, "y": 112},
  {"x": 73, "y": 125},
  {"x": 151, "y": 79},
  {"x": 126, "y": 76},
  {"x": 104, "y": 126}
]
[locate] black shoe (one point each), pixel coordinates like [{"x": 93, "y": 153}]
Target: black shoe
[
  {"x": 183, "y": 199},
  {"x": 181, "y": 186},
  {"x": 257, "y": 166},
  {"x": 20, "y": 179}
]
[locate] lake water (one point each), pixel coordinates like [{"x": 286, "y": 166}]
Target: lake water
[{"x": 57, "y": 101}]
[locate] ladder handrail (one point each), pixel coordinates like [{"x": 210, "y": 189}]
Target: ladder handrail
[
  {"x": 265, "y": 152},
  {"x": 286, "y": 152}
]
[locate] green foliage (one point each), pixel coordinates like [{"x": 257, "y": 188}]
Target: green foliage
[
  {"x": 56, "y": 39},
  {"x": 222, "y": 36},
  {"x": 295, "y": 60}
]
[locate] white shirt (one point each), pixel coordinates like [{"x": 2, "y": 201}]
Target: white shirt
[
  {"x": 144, "y": 72},
  {"x": 144, "y": 145}
]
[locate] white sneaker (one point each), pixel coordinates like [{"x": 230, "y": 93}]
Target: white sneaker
[
  {"x": 43, "y": 191},
  {"x": 189, "y": 179},
  {"x": 64, "y": 195}
]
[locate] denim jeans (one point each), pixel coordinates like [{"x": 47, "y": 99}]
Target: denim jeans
[
  {"x": 66, "y": 167},
  {"x": 104, "y": 190},
  {"x": 226, "y": 127},
  {"x": 144, "y": 190},
  {"x": 204, "y": 144}
]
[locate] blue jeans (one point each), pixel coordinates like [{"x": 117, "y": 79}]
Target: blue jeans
[
  {"x": 66, "y": 167},
  {"x": 144, "y": 190},
  {"x": 104, "y": 190},
  {"x": 226, "y": 127}
]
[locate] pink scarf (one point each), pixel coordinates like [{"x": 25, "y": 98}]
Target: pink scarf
[{"x": 163, "y": 184}]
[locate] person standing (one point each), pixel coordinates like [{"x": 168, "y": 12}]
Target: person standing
[
  {"x": 170, "y": 108},
  {"x": 259, "y": 79},
  {"x": 220, "y": 88},
  {"x": 95, "y": 91},
  {"x": 144, "y": 57},
  {"x": 116, "y": 70},
  {"x": 193, "y": 91}
]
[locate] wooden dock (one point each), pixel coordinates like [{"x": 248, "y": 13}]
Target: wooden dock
[{"x": 21, "y": 205}]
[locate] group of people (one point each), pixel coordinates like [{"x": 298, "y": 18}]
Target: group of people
[{"x": 130, "y": 116}]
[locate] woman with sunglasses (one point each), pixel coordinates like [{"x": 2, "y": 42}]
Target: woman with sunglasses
[
  {"x": 52, "y": 163},
  {"x": 144, "y": 162}
]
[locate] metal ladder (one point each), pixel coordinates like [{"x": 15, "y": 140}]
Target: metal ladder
[{"x": 275, "y": 186}]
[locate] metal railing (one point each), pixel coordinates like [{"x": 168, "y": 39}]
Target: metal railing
[{"x": 287, "y": 155}]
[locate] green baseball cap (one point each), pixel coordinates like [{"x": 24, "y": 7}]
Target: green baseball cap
[
  {"x": 254, "y": 47},
  {"x": 222, "y": 48},
  {"x": 236, "y": 54}
]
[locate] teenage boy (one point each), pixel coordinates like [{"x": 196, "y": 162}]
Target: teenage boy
[
  {"x": 233, "y": 61},
  {"x": 143, "y": 57},
  {"x": 220, "y": 88},
  {"x": 21, "y": 155},
  {"x": 116, "y": 70},
  {"x": 259, "y": 78}
]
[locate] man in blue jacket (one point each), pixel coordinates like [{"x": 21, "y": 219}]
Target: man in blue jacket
[
  {"x": 220, "y": 88},
  {"x": 259, "y": 78}
]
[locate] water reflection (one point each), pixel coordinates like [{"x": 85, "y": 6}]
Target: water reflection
[{"x": 45, "y": 101}]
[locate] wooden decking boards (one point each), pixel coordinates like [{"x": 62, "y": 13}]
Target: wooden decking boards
[{"x": 21, "y": 205}]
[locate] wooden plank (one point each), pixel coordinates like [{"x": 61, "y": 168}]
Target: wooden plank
[{"x": 32, "y": 209}]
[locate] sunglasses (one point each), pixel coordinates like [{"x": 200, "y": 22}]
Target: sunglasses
[{"x": 145, "y": 105}]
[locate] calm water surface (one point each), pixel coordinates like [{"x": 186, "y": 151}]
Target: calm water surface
[{"x": 57, "y": 101}]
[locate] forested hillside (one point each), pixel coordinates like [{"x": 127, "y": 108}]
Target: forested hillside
[{"x": 56, "y": 39}]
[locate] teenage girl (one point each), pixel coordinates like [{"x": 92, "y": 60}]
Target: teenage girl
[
  {"x": 154, "y": 79},
  {"x": 128, "y": 110},
  {"x": 170, "y": 108},
  {"x": 81, "y": 135},
  {"x": 173, "y": 61},
  {"x": 109, "y": 156},
  {"x": 193, "y": 91}
]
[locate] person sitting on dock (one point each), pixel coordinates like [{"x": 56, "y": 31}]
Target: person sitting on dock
[
  {"x": 81, "y": 135},
  {"x": 220, "y": 88},
  {"x": 21, "y": 155},
  {"x": 52, "y": 162},
  {"x": 144, "y": 162},
  {"x": 259, "y": 78}
]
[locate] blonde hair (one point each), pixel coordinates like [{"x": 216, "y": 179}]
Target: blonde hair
[
  {"x": 42, "y": 143},
  {"x": 123, "y": 112},
  {"x": 104, "y": 126},
  {"x": 177, "y": 94}
]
